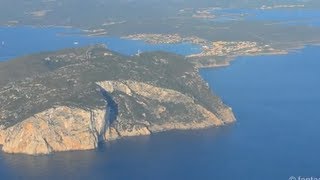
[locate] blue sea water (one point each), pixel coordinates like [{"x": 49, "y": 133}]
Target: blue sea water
[
  {"x": 19, "y": 41},
  {"x": 276, "y": 101},
  {"x": 288, "y": 16}
]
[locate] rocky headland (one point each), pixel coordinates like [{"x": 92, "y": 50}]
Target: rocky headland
[{"x": 74, "y": 98}]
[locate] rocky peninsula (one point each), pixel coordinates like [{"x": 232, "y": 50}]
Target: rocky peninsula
[
  {"x": 214, "y": 53},
  {"x": 75, "y": 98}
]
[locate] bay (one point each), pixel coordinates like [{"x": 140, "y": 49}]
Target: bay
[{"x": 20, "y": 41}]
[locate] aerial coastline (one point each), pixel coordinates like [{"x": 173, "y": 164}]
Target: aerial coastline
[
  {"x": 135, "y": 94},
  {"x": 55, "y": 100},
  {"x": 227, "y": 51}
]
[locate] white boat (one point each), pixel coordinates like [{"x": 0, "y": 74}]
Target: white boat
[{"x": 138, "y": 53}]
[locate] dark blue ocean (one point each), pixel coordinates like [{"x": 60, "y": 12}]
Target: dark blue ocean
[{"x": 276, "y": 101}]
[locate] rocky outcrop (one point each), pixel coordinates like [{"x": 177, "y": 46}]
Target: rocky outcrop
[
  {"x": 56, "y": 129},
  {"x": 143, "y": 109},
  {"x": 160, "y": 109},
  {"x": 226, "y": 114},
  {"x": 72, "y": 99},
  {"x": 145, "y": 90},
  {"x": 2, "y": 136},
  {"x": 114, "y": 133}
]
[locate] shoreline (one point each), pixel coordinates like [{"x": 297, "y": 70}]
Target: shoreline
[
  {"x": 148, "y": 132},
  {"x": 230, "y": 59},
  {"x": 192, "y": 126}
]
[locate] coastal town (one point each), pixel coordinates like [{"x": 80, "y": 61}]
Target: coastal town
[
  {"x": 209, "y": 48},
  {"x": 235, "y": 48}
]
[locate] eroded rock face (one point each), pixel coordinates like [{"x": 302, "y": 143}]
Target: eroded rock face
[
  {"x": 142, "y": 109},
  {"x": 127, "y": 131},
  {"x": 226, "y": 114},
  {"x": 56, "y": 129},
  {"x": 2, "y": 136},
  {"x": 147, "y": 109}
]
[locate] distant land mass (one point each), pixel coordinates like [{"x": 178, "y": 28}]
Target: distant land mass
[{"x": 75, "y": 98}]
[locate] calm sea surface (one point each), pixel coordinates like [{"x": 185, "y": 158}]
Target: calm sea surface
[
  {"x": 286, "y": 16},
  {"x": 276, "y": 101},
  {"x": 19, "y": 41}
]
